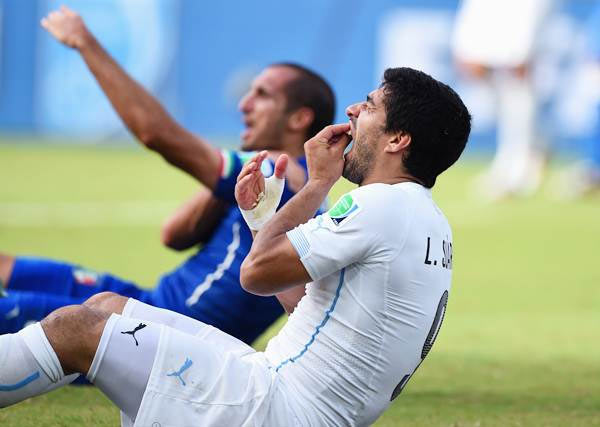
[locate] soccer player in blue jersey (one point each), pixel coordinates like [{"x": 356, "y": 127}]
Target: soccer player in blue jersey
[{"x": 286, "y": 105}]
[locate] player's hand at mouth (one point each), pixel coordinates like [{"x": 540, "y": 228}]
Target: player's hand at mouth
[
  {"x": 325, "y": 154},
  {"x": 67, "y": 27}
]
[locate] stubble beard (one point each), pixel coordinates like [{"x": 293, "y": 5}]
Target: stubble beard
[{"x": 359, "y": 164}]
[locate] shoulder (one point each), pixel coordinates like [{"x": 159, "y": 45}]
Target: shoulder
[
  {"x": 374, "y": 205},
  {"x": 380, "y": 200}
]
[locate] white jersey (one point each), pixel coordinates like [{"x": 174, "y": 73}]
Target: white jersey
[{"x": 381, "y": 262}]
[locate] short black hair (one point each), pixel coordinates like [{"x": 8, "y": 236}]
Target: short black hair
[
  {"x": 432, "y": 114},
  {"x": 308, "y": 89}
]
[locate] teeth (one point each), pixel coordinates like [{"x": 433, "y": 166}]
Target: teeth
[{"x": 348, "y": 148}]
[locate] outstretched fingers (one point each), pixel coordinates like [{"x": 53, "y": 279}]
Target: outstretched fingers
[
  {"x": 253, "y": 165},
  {"x": 250, "y": 182}
]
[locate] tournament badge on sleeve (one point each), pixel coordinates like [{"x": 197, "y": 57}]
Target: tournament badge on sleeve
[{"x": 344, "y": 209}]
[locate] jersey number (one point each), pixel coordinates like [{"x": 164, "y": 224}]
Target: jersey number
[{"x": 433, "y": 333}]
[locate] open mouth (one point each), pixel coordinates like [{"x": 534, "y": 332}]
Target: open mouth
[
  {"x": 351, "y": 135},
  {"x": 349, "y": 146},
  {"x": 248, "y": 125}
]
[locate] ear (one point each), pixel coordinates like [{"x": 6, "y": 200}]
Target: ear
[
  {"x": 398, "y": 142},
  {"x": 301, "y": 119}
]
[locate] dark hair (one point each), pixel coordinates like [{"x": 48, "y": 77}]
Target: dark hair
[
  {"x": 308, "y": 89},
  {"x": 433, "y": 114}
]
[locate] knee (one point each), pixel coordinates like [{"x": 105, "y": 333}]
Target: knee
[
  {"x": 71, "y": 320},
  {"x": 74, "y": 332},
  {"x": 106, "y": 301}
]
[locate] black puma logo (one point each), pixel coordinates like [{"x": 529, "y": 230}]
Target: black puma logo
[{"x": 132, "y": 333}]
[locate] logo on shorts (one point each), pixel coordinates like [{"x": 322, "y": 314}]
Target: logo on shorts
[
  {"x": 343, "y": 209},
  {"x": 186, "y": 365},
  {"x": 132, "y": 333},
  {"x": 85, "y": 277}
]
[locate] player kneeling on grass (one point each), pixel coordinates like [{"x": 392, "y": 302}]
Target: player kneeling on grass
[{"x": 378, "y": 268}]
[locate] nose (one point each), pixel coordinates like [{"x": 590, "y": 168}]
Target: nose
[
  {"x": 245, "y": 104},
  {"x": 353, "y": 111}
]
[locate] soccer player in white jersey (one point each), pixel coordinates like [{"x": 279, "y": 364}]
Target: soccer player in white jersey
[{"x": 378, "y": 268}]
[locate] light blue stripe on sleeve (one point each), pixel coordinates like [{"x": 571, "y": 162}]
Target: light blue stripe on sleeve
[{"x": 299, "y": 242}]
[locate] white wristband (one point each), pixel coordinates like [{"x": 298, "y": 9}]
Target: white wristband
[{"x": 257, "y": 217}]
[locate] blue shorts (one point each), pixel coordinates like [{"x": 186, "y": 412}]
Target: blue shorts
[
  {"x": 43, "y": 285},
  {"x": 42, "y": 275}
]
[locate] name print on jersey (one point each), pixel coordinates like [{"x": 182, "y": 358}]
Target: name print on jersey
[{"x": 446, "y": 261}]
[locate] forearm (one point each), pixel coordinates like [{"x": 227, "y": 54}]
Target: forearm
[
  {"x": 298, "y": 210},
  {"x": 193, "y": 222},
  {"x": 274, "y": 263},
  {"x": 139, "y": 110},
  {"x": 145, "y": 117},
  {"x": 272, "y": 266}
]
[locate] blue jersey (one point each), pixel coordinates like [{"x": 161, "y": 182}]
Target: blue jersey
[{"x": 207, "y": 285}]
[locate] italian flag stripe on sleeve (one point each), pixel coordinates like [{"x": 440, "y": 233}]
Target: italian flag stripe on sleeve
[{"x": 227, "y": 165}]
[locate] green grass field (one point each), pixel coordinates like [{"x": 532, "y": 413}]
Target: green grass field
[{"x": 520, "y": 345}]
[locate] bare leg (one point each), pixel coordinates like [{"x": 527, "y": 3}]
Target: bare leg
[
  {"x": 74, "y": 333},
  {"x": 107, "y": 301},
  {"x": 91, "y": 339}
]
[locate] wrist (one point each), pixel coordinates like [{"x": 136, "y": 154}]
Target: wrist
[
  {"x": 319, "y": 184},
  {"x": 84, "y": 40}
]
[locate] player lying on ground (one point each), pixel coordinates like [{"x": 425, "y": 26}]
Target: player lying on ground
[
  {"x": 378, "y": 267},
  {"x": 286, "y": 105}
]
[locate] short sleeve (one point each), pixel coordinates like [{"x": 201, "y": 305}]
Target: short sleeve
[
  {"x": 231, "y": 165},
  {"x": 345, "y": 234}
]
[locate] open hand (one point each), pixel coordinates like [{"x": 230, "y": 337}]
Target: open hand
[
  {"x": 250, "y": 187},
  {"x": 67, "y": 27}
]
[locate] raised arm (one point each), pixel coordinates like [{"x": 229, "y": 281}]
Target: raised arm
[
  {"x": 273, "y": 265},
  {"x": 139, "y": 110}
]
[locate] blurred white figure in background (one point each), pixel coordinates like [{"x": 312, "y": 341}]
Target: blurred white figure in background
[
  {"x": 496, "y": 41},
  {"x": 583, "y": 178}
]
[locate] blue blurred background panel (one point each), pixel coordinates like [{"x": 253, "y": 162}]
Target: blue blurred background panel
[
  {"x": 199, "y": 57},
  {"x": 18, "y": 36}
]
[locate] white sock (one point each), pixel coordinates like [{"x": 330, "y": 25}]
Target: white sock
[{"x": 28, "y": 366}]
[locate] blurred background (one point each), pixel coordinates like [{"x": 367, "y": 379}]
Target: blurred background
[
  {"x": 199, "y": 57},
  {"x": 520, "y": 342}
]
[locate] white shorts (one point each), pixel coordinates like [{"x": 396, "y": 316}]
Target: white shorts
[{"x": 211, "y": 379}]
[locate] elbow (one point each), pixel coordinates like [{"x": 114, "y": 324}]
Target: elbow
[
  {"x": 149, "y": 133},
  {"x": 252, "y": 280},
  {"x": 168, "y": 238},
  {"x": 148, "y": 137}
]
